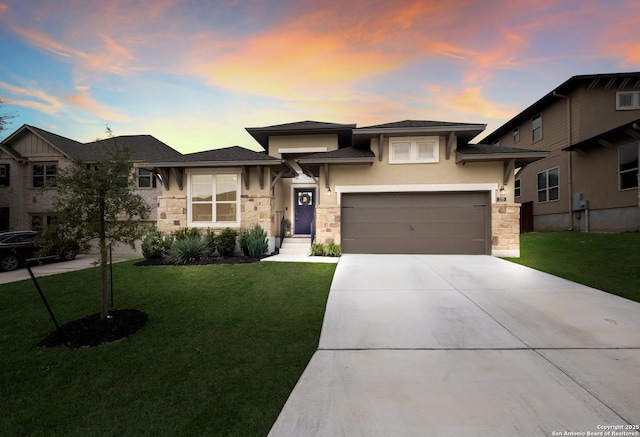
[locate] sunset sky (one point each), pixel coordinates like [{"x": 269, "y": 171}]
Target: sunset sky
[{"x": 195, "y": 73}]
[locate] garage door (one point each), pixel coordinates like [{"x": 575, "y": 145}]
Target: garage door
[{"x": 430, "y": 223}]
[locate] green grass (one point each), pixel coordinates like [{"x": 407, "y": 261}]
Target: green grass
[
  {"x": 608, "y": 262},
  {"x": 221, "y": 351}
]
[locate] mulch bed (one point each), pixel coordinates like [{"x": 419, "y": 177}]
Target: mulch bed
[
  {"x": 202, "y": 262},
  {"x": 92, "y": 331}
]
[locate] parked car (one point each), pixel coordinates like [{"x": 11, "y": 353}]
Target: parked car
[{"x": 19, "y": 246}]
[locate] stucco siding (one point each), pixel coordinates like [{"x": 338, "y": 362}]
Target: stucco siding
[{"x": 328, "y": 142}]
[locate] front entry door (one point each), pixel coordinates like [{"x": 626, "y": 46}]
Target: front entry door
[{"x": 304, "y": 199}]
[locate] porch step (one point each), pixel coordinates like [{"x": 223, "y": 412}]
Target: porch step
[{"x": 296, "y": 246}]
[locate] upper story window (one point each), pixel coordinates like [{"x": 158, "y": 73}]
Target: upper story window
[
  {"x": 44, "y": 174},
  {"x": 628, "y": 167},
  {"x": 411, "y": 150},
  {"x": 214, "y": 199},
  {"x": 516, "y": 191},
  {"x": 516, "y": 135},
  {"x": 536, "y": 128},
  {"x": 146, "y": 179},
  {"x": 4, "y": 175},
  {"x": 626, "y": 100},
  {"x": 548, "y": 185}
]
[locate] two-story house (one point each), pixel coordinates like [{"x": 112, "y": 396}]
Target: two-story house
[
  {"x": 404, "y": 187},
  {"x": 591, "y": 126},
  {"x": 30, "y": 158}
]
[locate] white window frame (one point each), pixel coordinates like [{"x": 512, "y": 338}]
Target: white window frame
[
  {"x": 548, "y": 187},
  {"x": 213, "y": 223},
  {"x": 413, "y": 150},
  {"x": 630, "y": 170},
  {"x": 516, "y": 135},
  {"x": 517, "y": 188},
  {"x": 635, "y": 100},
  {"x": 45, "y": 176},
  {"x": 150, "y": 176},
  {"x": 535, "y": 129}
]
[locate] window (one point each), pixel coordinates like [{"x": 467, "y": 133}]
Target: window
[
  {"x": 214, "y": 198},
  {"x": 414, "y": 150},
  {"x": 146, "y": 179},
  {"x": 536, "y": 128},
  {"x": 38, "y": 221},
  {"x": 627, "y": 100},
  {"x": 497, "y": 143},
  {"x": 548, "y": 185},
  {"x": 516, "y": 191},
  {"x": 4, "y": 175},
  {"x": 516, "y": 135},
  {"x": 628, "y": 167},
  {"x": 44, "y": 175}
]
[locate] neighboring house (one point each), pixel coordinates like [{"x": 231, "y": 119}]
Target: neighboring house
[
  {"x": 30, "y": 158},
  {"x": 591, "y": 126},
  {"x": 405, "y": 187}
]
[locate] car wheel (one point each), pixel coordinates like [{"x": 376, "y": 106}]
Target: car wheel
[
  {"x": 68, "y": 254},
  {"x": 9, "y": 263}
]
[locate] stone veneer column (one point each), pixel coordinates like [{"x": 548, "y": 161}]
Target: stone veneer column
[
  {"x": 328, "y": 224},
  {"x": 172, "y": 213},
  {"x": 505, "y": 230},
  {"x": 258, "y": 209}
]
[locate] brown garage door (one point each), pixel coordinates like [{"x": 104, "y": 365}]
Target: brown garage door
[{"x": 430, "y": 223}]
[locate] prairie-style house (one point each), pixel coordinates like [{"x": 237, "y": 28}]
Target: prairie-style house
[
  {"x": 591, "y": 126},
  {"x": 402, "y": 187}
]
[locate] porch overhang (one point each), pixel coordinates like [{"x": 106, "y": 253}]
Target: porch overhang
[
  {"x": 511, "y": 158},
  {"x": 626, "y": 132}
]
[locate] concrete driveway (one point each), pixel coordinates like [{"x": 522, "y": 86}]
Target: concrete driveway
[{"x": 425, "y": 345}]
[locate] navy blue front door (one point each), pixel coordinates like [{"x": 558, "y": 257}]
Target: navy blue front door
[{"x": 304, "y": 199}]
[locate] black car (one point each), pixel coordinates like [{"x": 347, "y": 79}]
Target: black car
[{"x": 19, "y": 246}]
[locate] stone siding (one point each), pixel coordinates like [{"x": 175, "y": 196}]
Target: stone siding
[
  {"x": 172, "y": 213},
  {"x": 505, "y": 230},
  {"x": 258, "y": 209},
  {"x": 328, "y": 224}
]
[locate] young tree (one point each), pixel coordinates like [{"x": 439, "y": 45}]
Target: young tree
[
  {"x": 96, "y": 202},
  {"x": 4, "y": 118}
]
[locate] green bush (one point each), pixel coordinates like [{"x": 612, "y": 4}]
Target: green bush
[
  {"x": 317, "y": 249},
  {"x": 257, "y": 244},
  {"x": 181, "y": 234},
  {"x": 226, "y": 241},
  {"x": 211, "y": 239},
  {"x": 154, "y": 245},
  {"x": 331, "y": 249},
  {"x": 242, "y": 240},
  {"x": 188, "y": 249}
]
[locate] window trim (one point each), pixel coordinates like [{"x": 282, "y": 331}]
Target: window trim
[
  {"x": 45, "y": 165},
  {"x": 151, "y": 176},
  {"x": 635, "y": 100},
  {"x": 517, "y": 188},
  {"x": 548, "y": 187},
  {"x": 637, "y": 169},
  {"x": 213, "y": 223},
  {"x": 516, "y": 135},
  {"x": 5, "y": 179},
  {"x": 534, "y": 129},
  {"x": 413, "y": 150}
]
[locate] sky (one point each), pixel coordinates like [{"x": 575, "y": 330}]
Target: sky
[{"x": 196, "y": 73}]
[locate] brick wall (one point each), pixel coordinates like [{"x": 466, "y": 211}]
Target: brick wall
[
  {"x": 505, "y": 230},
  {"x": 328, "y": 224}
]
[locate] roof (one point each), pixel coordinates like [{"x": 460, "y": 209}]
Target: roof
[
  {"x": 560, "y": 92},
  {"x": 488, "y": 152},
  {"x": 262, "y": 134},
  {"x": 143, "y": 147},
  {"x": 465, "y": 132},
  {"x": 628, "y": 130},
  {"x": 310, "y": 164}
]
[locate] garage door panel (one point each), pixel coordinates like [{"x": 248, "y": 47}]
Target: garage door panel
[{"x": 438, "y": 223}]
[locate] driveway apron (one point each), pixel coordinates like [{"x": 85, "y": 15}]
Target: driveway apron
[{"x": 421, "y": 345}]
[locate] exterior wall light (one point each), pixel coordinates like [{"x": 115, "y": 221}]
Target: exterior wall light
[
  {"x": 328, "y": 191},
  {"x": 503, "y": 191}
]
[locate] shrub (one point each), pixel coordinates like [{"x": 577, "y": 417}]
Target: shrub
[
  {"x": 226, "y": 242},
  {"x": 181, "y": 234},
  {"x": 188, "y": 249},
  {"x": 331, "y": 249},
  {"x": 242, "y": 240},
  {"x": 317, "y": 249},
  {"x": 211, "y": 239},
  {"x": 257, "y": 243},
  {"x": 154, "y": 245}
]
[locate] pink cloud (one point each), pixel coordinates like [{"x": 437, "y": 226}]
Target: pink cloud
[
  {"x": 35, "y": 99},
  {"x": 84, "y": 102}
]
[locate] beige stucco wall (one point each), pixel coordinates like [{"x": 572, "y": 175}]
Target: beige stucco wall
[{"x": 329, "y": 142}]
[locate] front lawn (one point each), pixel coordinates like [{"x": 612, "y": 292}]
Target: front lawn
[
  {"x": 223, "y": 347},
  {"x": 609, "y": 262}
]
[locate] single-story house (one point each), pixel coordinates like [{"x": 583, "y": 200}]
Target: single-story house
[{"x": 403, "y": 187}]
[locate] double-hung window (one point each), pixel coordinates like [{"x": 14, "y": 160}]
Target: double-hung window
[
  {"x": 4, "y": 175},
  {"x": 146, "y": 179},
  {"x": 516, "y": 192},
  {"x": 214, "y": 199},
  {"x": 516, "y": 135},
  {"x": 548, "y": 185},
  {"x": 628, "y": 166},
  {"x": 411, "y": 150},
  {"x": 44, "y": 174},
  {"x": 536, "y": 128}
]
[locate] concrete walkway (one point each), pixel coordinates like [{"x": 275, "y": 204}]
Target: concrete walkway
[{"x": 419, "y": 345}]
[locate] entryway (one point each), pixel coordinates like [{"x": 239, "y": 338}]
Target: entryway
[{"x": 304, "y": 206}]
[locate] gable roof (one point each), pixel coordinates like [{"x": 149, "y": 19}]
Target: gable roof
[
  {"x": 630, "y": 131},
  {"x": 262, "y": 134},
  {"x": 561, "y": 92},
  {"x": 143, "y": 147}
]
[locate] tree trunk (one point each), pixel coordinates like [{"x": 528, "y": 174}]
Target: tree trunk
[{"x": 104, "y": 307}]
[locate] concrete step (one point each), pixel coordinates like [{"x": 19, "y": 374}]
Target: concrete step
[{"x": 295, "y": 246}]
